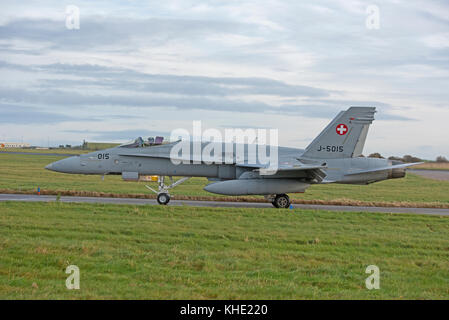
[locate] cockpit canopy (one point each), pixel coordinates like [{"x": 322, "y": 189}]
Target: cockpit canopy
[{"x": 140, "y": 143}]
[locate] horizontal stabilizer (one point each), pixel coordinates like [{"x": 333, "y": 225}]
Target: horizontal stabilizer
[{"x": 398, "y": 166}]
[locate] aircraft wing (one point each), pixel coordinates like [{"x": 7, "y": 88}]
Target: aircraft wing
[{"x": 397, "y": 166}]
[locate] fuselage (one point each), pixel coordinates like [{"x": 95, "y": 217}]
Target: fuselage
[{"x": 157, "y": 160}]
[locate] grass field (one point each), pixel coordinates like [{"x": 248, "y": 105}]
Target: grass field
[
  {"x": 93, "y": 146},
  {"x": 27, "y": 173},
  {"x": 157, "y": 252},
  {"x": 61, "y": 151}
]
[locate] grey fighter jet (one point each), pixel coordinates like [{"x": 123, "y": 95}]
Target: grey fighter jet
[{"x": 334, "y": 156}]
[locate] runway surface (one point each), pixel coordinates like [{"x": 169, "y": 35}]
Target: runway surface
[
  {"x": 37, "y": 198},
  {"x": 432, "y": 174}
]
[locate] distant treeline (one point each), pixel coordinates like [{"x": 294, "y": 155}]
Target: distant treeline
[
  {"x": 91, "y": 146},
  {"x": 407, "y": 158}
]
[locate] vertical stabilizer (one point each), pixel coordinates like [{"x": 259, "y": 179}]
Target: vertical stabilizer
[{"x": 344, "y": 137}]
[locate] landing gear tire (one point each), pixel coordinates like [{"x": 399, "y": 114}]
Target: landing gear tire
[
  {"x": 163, "y": 198},
  {"x": 281, "y": 201},
  {"x": 162, "y": 191}
]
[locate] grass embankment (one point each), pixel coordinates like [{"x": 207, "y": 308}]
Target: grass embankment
[
  {"x": 24, "y": 173},
  {"x": 154, "y": 252},
  {"x": 432, "y": 166}
]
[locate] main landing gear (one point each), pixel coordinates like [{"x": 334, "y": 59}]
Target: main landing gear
[
  {"x": 163, "y": 197},
  {"x": 279, "y": 200}
]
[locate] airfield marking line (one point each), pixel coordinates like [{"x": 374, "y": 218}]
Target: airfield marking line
[{"x": 69, "y": 199}]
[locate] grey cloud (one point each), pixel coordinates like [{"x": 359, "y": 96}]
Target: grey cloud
[
  {"x": 327, "y": 106},
  {"x": 70, "y": 99},
  {"x": 13, "y": 114},
  {"x": 385, "y": 115},
  {"x": 312, "y": 110},
  {"x": 96, "y": 31},
  {"x": 123, "y": 79},
  {"x": 328, "y": 110},
  {"x": 27, "y": 114},
  {"x": 204, "y": 86},
  {"x": 244, "y": 126}
]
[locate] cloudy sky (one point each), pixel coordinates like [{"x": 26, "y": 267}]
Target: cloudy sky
[{"x": 147, "y": 67}]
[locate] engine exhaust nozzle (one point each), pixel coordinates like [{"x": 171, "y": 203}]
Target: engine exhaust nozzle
[{"x": 396, "y": 173}]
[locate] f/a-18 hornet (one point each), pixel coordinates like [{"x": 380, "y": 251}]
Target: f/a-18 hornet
[{"x": 334, "y": 156}]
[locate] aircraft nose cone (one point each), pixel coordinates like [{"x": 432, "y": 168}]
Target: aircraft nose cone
[{"x": 68, "y": 165}]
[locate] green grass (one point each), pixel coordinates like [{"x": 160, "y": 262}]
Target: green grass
[
  {"x": 154, "y": 252},
  {"x": 93, "y": 146},
  {"x": 26, "y": 172}
]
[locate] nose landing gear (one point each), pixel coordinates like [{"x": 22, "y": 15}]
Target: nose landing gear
[{"x": 163, "y": 197}]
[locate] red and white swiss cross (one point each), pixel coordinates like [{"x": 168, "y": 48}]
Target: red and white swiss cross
[{"x": 341, "y": 129}]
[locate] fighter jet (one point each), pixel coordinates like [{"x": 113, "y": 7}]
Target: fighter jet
[{"x": 334, "y": 156}]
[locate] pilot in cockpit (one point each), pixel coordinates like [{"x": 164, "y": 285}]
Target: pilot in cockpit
[{"x": 140, "y": 143}]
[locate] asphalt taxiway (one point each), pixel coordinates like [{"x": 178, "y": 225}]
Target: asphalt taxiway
[
  {"x": 174, "y": 202},
  {"x": 432, "y": 174}
]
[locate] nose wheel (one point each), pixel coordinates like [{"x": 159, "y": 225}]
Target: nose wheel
[{"x": 163, "y": 197}]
